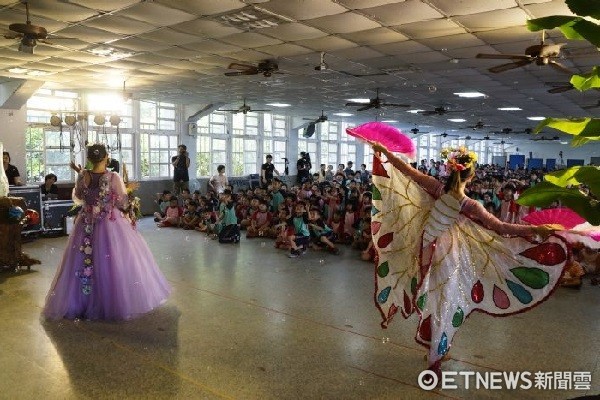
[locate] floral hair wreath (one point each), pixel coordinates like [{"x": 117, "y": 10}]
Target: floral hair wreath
[{"x": 458, "y": 158}]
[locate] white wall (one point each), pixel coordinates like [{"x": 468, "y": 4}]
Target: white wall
[
  {"x": 551, "y": 150},
  {"x": 12, "y": 134}
]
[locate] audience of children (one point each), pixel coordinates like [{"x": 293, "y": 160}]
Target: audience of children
[{"x": 329, "y": 212}]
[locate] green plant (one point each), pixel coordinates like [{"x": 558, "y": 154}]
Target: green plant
[{"x": 564, "y": 185}]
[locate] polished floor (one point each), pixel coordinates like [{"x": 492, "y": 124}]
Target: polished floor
[{"x": 246, "y": 322}]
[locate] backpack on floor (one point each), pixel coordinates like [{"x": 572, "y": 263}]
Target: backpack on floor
[{"x": 230, "y": 234}]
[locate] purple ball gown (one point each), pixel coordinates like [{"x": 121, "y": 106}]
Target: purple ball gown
[{"x": 107, "y": 271}]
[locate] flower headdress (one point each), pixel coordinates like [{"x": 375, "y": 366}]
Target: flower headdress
[{"x": 458, "y": 158}]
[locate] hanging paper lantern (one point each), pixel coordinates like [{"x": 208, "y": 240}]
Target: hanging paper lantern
[
  {"x": 70, "y": 120},
  {"x": 115, "y": 120},
  {"x": 55, "y": 120},
  {"x": 99, "y": 119}
]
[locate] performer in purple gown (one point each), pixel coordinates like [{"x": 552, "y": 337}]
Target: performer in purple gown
[{"x": 107, "y": 271}]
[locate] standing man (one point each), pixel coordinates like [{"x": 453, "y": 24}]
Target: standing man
[
  {"x": 303, "y": 166},
  {"x": 181, "y": 163},
  {"x": 266, "y": 171},
  {"x": 364, "y": 174},
  {"x": 349, "y": 172},
  {"x": 12, "y": 173}
]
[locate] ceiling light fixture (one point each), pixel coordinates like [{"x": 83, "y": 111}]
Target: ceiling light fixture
[
  {"x": 414, "y": 111},
  {"x": 457, "y": 120},
  {"x": 280, "y": 105},
  {"x": 18, "y": 70},
  {"x": 389, "y": 121},
  {"x": 36, "y": 72},
  {"x": 470, "y": 95},
  {"x": 536, "y": 118},
  {"x": 251, "y": 18},
  {"x": 365, "y": 101},
  {"x": 343, "y": 114},
  {"x": 106, "y": 51},
  {"x": 510, "y": 109}
]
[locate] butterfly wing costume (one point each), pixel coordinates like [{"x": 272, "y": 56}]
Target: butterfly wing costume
[{"x": 443, "y": 258}]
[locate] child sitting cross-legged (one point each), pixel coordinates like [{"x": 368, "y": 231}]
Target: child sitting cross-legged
[
  {"x": 173, "y": 214},
  {"x": 320, "y": 232},
  {"x": 260, "y": 221},
  {"x": 191, "y": 217}
]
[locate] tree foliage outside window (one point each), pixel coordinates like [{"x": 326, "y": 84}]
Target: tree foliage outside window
[{"x": 577, "y": 187}]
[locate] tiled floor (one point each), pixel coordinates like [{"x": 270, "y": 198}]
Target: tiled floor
[{"x": 246, "y": 322}]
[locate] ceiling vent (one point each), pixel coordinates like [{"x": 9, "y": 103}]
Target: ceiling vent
[{"x": 250, "y": 18}]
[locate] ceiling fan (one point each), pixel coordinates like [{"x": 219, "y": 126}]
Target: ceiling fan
[
  {"x": 416, "y": 131},
  {"x": 446, "y": 135},
  {"x": 540, "y": 54},
  {"x": 503, "y": 131},
  {"x": 591, "y": 106},
  {"x": 438, "y": 111},
  {"x": 266, "y": 67},
  {"x": 478, "y": 125},
  {"x": 244, "y": 109},
  {"x": 376, "y": 102},
  {"x": 560, "y": 87},
  {"x": 472, "y": 138},
  {"x": 544, "y": 138},
  {"x": 322, "y": 118},
  {"x": 29, "y": 34}
]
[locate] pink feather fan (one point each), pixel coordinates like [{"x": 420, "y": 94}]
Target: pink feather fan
[
  {"x": 562, "y": 215},
  {"x": 576, "y": 227},
  {"x": 391, "y": 138}
]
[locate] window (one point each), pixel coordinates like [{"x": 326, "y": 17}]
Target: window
[
  {"x": 116, "y": 134},
  {"x": 368, "y": 158},
  {"x": 212, "y": 144},
  {"x": 308, "y": 145},
  {"x": 157, "y": 116},
  {"x": 49, "y": 149},
  {"x": 277, "y": 148},
  {"x": 35, "y": 154},
  {"x": 156, "y": 151},
  {"x": 243, "y": 157},
  {"x": 158, "y": 138}
]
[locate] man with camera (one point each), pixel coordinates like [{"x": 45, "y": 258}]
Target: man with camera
[
  {"x": 181, "y": 164},
  {"x": 303, "y": 166}
]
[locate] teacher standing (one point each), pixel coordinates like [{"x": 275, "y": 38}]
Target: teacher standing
[{"x": 181, "y": 164}]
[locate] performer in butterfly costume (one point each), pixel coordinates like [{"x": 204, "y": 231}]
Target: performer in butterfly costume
[{"x": 442, "y": 255}]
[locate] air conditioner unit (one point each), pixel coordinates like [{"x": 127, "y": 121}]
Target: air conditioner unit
[{"x": 192, "y": 128}]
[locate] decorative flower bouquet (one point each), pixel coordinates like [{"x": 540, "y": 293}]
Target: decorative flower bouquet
[{"x": 134, "y": 210}]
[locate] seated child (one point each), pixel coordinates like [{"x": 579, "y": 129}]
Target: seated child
[
  {"x": 260, "y": 221},
  {"x": 163, "y": 200},
  {"x": 191, "y": 217},
  {"x": 349, "y": 223},
  {"x": 173, "y": 214},
  {"x": 337, "y": 224},
  {"x": 229, "y": 231},
  {"x": 252, "y": 208},
  {"x": 300, "y": 238},
  {"x": 320, "y": 232}
]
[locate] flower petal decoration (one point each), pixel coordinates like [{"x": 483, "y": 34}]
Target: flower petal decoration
[{"x": 390, "y": 137}]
